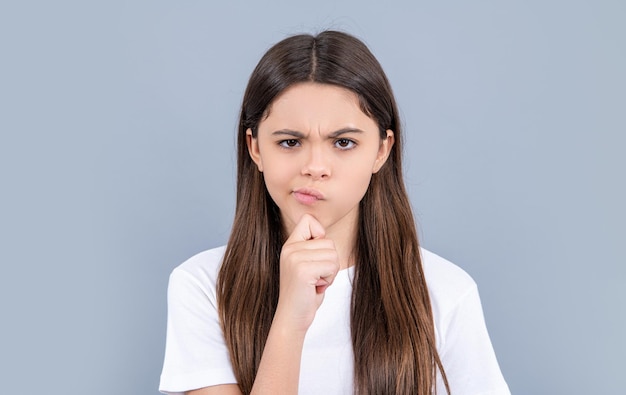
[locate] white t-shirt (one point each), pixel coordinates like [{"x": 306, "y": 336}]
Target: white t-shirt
[{"x": 196, "y": 355}]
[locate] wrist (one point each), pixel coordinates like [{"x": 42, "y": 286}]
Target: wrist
[{"x": 288, "y": 327}]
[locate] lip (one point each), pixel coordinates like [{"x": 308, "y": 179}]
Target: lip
[{"x": 307, "y": 196}]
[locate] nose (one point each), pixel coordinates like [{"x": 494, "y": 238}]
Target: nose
[{"x": 316, "y": 164}]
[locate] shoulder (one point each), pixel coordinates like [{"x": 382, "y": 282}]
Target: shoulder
[
  {"x": 444, "y": 277},
  {"x": 461, "y": 334},
  {"x": 448, "y": 284},
  {"x": 195, "y": 353},
  {"x": 204, "y": 265},
  {"x": 198, "y": 273}
]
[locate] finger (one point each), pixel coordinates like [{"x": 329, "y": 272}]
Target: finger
[
  {"x": 306, "y": 229},
  {"x": 327, "y": 271},
  {"x": 310, "y": 251},
  {"x": 321, "y": 286},
  {"x": 324, "y": 282}
]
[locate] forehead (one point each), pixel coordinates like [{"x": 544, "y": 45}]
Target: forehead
[{"x": 313, "y": 105}]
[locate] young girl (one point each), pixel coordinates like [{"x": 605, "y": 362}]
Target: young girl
[{"x": 323, "y": 288}]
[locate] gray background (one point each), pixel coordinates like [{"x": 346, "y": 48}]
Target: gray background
[{"x": 116, "y": 164}]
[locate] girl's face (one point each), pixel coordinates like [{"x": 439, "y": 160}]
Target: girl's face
[{"x": 317, "y": 151}]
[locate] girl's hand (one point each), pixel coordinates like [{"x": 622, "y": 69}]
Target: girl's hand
[{"x": 308, "y": 265}]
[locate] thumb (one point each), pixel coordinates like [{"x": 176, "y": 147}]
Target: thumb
[{"x": 308, "y": 228}]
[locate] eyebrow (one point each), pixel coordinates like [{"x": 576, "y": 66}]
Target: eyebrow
[{"x": 300, "y": 135}]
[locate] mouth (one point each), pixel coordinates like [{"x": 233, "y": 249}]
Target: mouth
[{"x": 307, "y": 196}]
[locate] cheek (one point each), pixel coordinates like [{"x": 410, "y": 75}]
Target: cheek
[
  {"x": 276, "y": 179},
  {"x": 362, "y": 184},
  {"x": 355, "y": 183}
]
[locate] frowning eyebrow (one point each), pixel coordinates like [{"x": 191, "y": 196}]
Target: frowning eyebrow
[
  {"x": 344, "y": 131},
  {"x": 287, "y": 132},
  {"x": 300, "y": 135}
]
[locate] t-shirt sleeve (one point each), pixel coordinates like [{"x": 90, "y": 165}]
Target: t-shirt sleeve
[
  {"x": 195, "y": 352},
  {"x": 466, "y": 352}
]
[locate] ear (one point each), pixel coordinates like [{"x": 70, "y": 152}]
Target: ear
[
  {"x": 253, "y": 149},
  {"x": 383, "y": 151}
]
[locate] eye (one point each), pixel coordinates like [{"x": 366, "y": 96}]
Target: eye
[
  {"x": 344, "y": 144},
  {"x": 290, "y": 143}
]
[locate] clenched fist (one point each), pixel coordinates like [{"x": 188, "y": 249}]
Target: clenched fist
[{"x": 308, "y": 265}]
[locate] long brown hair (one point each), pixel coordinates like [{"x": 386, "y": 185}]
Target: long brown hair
[{"x": 389, "y": 299}]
